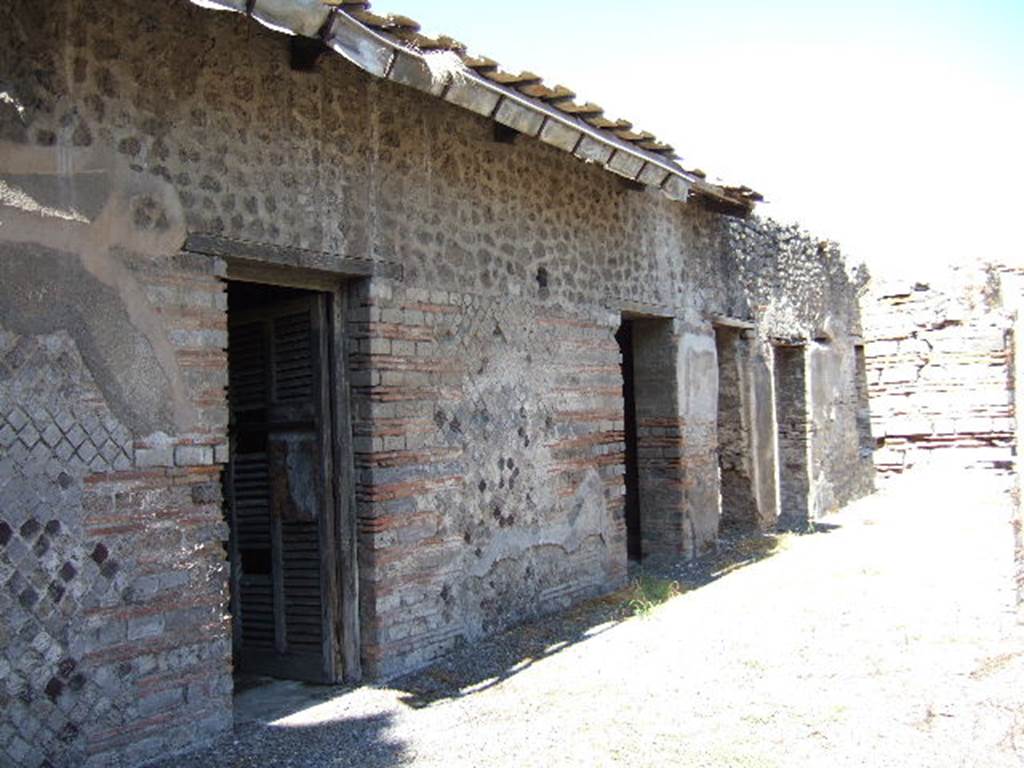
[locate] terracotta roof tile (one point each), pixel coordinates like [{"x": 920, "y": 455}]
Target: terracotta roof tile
[{"x": 522, "y": 101}]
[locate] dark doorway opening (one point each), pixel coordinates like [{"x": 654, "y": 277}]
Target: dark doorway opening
[
  {"x": 864, "y": 439},
  {"x": 793, "y": 419},
  {"x": 624, "y": 337},
  {"x": 735, "y": 459},
  {"x": 279, "y": 485}
]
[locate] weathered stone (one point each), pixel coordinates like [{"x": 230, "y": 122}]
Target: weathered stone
[
  {"x": 625, "y": 164},
  {"x": 485, "y": 392},
  {"x": 520, "y": 118},
  {"x": 938, "y": 365}
]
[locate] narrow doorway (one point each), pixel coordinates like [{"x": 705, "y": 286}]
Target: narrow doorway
[
  {"x": 736, "y": 483},
  {"x": 864, "y": 439},
  {"x": 624, "y": 337},
  {"x": 278, "y": 485},
  {"x": 793, "y": 436}
]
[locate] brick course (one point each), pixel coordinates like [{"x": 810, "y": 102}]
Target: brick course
[{"x": 486, "y": 395}]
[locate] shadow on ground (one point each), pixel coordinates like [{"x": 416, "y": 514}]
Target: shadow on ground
[
  {"x": 288, "y": 723},
  {"x": 340, "y": 742},
  {"x": 492, "y": 661}
]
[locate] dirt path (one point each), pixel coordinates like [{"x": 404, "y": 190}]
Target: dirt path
[{"x": 887, "y": 640}]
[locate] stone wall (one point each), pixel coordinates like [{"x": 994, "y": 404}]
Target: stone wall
[
  {"x": 1011, "y": 299},
  {"x": 943, "y": 362},
  {"x": 486, "y": 392},
  {"x": 1018, "y": 523},
  {"x": 938, "y": 360},
  {"x": 110, "y": 558}
]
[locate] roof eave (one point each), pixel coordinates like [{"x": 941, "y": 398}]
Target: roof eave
[{"x": 386, "y": 58}]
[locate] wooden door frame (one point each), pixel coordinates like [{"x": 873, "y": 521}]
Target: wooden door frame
[{"x": 246, "y": 262}]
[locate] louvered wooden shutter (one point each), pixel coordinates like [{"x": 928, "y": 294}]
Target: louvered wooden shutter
[
  {"x": 293, "y": 359},
  {"x": 252, "y": 530},
  {"x": 277, "y": 492}
]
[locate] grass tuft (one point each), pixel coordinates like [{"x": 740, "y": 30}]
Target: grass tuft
[{"x": 648, "y": 592}]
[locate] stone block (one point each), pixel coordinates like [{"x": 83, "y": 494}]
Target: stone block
[
  {"x": 593, "y": 151},
  {"x": 157, "y": 456},
  {"x": 519, "y": 117},
  {"x": 625, "y": 164},
  {"x": 297, "y": 17},
  {"x": 471, "y": 95},
  {"x": 676, "y": 188},
  {"x": 653, "y": 176},
  {"x": 193, "y": 455},
  {"x": 412, "y": 70},
  {"x": 221, "y": 453},
  {"x": 350, "y": 40}
]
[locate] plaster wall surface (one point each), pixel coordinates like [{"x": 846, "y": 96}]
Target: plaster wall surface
[{"x": 485, "y": 389}]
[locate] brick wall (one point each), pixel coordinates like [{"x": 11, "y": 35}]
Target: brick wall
[
  {"x": 489, "y": 466},
  {"x": 486, "y": 392},
  {"x": 111, "y": 562}
]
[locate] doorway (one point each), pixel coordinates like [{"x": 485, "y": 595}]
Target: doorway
[
  {"x": 624, "y": 337},
  {"x": 279, "y": 485},
  {"x": 793, "y": 435},
  {"x": 739, "y": 509}
]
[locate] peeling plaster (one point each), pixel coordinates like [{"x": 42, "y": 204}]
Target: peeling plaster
[{"x": 73, "y": 182}]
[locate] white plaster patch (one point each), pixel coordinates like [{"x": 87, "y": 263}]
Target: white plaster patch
[
  {"x": 445, "y": 66},
  {"x": 18, "y": 198},
  {"x": 223, "y": 5},
  {"x": 7, "y": 98}
]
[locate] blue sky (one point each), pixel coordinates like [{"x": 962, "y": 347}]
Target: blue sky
[{"x": 895, "y": 128}]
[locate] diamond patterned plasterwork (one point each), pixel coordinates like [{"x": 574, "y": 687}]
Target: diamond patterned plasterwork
[
  {"x": 53, "y": 412},
  {"x": 55, "y": 429}
]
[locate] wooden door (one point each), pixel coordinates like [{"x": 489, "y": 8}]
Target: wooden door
[{"x": 279, "y": 492}]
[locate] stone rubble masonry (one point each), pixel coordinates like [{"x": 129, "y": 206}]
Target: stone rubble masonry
[
  {"x": 486, "y": 392},
  {"x": 1011, "y": 298},
  {"x": 938, "y": 359},
  {"x": 943, "y": 360}
]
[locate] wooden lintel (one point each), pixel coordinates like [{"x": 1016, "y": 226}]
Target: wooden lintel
[
  {"x": 790, "y": 342},
  {"x": 639, "y": 310},
  {"x": 724, "y": 206},
  {"x": 732, "y": 322},
  {"x": 282, "y": 265}
]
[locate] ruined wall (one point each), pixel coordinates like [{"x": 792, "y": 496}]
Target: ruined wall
[
  {"x": 943, "y": 362},
  {"x": 486, "y": 391},
  {"x": 801, "y": 292},
  {"x": 938, "y": 361},
  {"x": 1018, "y": 376},
  {"x": 1011, "y": 301}
]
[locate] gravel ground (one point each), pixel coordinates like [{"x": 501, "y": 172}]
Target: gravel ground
[{"x": 886, "y": 638}]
